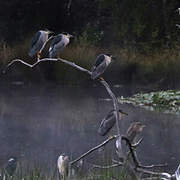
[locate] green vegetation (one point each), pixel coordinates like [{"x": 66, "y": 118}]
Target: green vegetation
[
  {"x": 39, "y": 174},
  {"x": 163, "y": 101}
]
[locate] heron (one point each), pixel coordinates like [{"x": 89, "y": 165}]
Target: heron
[
  {"x": 134, "y": 129},
  {"x": 63, "y": 166},
  {"x": 178, "y": 10},
  {"x": 10, "y": 167},
  {"x": 108, "y": 122},
  {"x": 58, "y": 43},
  {"x": 101, "y": 63},
  {"x": 38, "y": 41},
  {"x": 177, "y": 173}
]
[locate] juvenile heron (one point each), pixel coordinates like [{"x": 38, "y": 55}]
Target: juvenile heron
[
  {"x": 63, "y": 166},
  {"x": 134, "y": 129},
  {"x": 108, "y": 122},
  {"x": 37, "y": 42},
  {"x": 10, "y": 167},
  {"x": 58, "y": 43},
  {"x": 101, "y": 63}
]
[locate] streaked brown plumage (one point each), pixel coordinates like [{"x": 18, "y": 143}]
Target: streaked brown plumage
[{"x": 134, "y": 129}]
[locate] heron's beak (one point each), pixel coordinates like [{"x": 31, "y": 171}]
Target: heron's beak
[
  {"x": 123, "y": 113},
  {"x": 71, "y": 36}
]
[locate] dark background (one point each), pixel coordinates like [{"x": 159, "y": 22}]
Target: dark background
[{"x": 122, "y": 22}]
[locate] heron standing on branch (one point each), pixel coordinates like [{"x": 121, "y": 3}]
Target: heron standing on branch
[
  {"x": 108, "y": 122},
  {"x": 37, "y": 42},
  {"x": 101, "y": 63},
  {"x": 134, "y": 129},
  {"x": 63, "y": 166},
  {"x": 58, "y": 43}
]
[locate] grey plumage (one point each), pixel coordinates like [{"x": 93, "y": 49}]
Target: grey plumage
[
  {"x": 108, "y": 122},
  {"x": 101, "y": 63},
  {"x": 177, "y": 173},
  {"x": 10, "y": 167},
  {"x": 63, "y": 166},
  {"x": 38, "y": 41},
  {"x": 58, "y": 43}
]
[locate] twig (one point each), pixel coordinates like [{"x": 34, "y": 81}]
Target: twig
[
  {"x": 93, "y": 149},
  {"x": 137, "y": 143},
  {"x": 46, "y": 59},
  {"x": 107, "y": 167},
  {"x": 131, "y": 151},
  {"x": 167, "y": 175},
  {"x": 152, "y": 165}
]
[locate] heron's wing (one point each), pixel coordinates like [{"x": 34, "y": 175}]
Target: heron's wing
[
  {"x": 57, "y": 39},
  {"x": 177, "y": 173},
  {"x": 10, "y": 168},
  {"x": 35, "y": 38},
  {"x": 97, "y": 71},
  {"x": 99, "y": 60},
  {"x": 106, "y": 124}
]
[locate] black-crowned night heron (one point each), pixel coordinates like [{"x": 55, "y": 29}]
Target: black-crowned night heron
[
  {"x": 58, "y": 43},
  {"x": 101, "y": 63},
  {"x": 37, "y": 42},
  {"x": 134, "y": 129},
  {"x": 108, "y": 122},
  {"x": 10, "y": 167},
  {"x": 178, "y": 10},
  {"x": 63, "y": 166},
  {"x": 177, "y": 173}
]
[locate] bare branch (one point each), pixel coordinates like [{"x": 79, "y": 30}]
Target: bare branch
[
  {"x": 131, "y": 151},
  {"x": 45, "y": 59},
  {"x": 160, "y": 174},
  {"x": 93, "y": 149},
  {"x": 152, "y": 166},
  {"x": 137, "y": 143},
  {"x": 107, "y": 167}
]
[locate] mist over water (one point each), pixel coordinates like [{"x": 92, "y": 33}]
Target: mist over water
[{"x": 38, "y": 123}]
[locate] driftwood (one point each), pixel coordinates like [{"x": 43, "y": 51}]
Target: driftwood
[{"x": 138, "y": 167}]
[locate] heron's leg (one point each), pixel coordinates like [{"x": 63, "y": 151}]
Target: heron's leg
[
  {"x": 58, "y": 57},
  {"x": 39, "y": 55}
]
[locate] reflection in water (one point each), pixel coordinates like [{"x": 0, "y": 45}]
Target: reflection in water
[{"x": 39, "y": 123}]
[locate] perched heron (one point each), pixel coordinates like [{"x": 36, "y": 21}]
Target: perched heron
[
  {"x": 63, "y": 166},
  {"x": 177, "y": 173},
  {"x": 101, "y": 63},
  {"x": 178, "y": 10},
  {"x": 58, "y": 43},
  {"x": 134, "y": 129},
  {"x": 10, "y": 167},
  {"x": 37, "y": 42},
  {"x": 108, "y": 122}
]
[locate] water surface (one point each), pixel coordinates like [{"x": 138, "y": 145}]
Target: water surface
[{"x": 39, "y": 122}]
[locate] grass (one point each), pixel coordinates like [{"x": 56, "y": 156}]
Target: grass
[
  {"x": 154, "y": 66},
  {"x": 39, "y": 174}
]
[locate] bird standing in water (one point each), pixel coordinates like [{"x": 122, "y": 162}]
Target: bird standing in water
[
  {"x": 63, "y": 166},
  {"x": 58, "y": 43},
  {"x": 37, "y": 42},
  {"x": 101, "y": 63}
]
